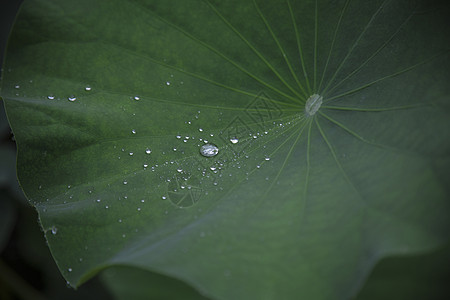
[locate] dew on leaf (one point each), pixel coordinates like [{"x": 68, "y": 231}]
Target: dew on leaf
[
  {"x": 148, "y": 151},
  {"x": 72, "y": 98},
  {"x": 209, "y": 150},
  {"x": 137, "y": 98},
  {"x": 51, "y": 97},
  {"x": 234, "y": 140},
  {"x": 54, "y": 230},
  {"x": 87, "y": 88}
]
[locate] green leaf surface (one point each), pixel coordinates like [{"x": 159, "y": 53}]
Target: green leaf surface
[
  {"x": 138, "y": 284},
  {"x": 110, "y": 103}
]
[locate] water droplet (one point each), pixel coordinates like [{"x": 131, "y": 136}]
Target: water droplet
[
  {"x": 136, "y": 98},
  {"x": 54, "y": 230},
  {"x": 148, "y": 151},
  {"x": 131, "y": 153},
  {"x": 234, "y": 140},
  {"x": 180, "y": 170},
  {"x": 164, "y": 197},
  {"x": 167, "y": 82},
  {"x": 200, "y": 129},
  {"x": 142, "y": 200},
  {"x": 267, "y": 158},
  {"x": 133, "y": 131},
  {"x": 72, "y": 98},
  {"x": 98, "y": 200},
  {"x": 87, "y": 88},
  {"x": 17, "y": 86},
  {"x": 174, "y": 149},
  {"x": 212, "y": 168},
  {"x": 125, "y": 182},
  {"x": 209, "y": 150},
  {"x": 51, "y": 97},
  {"x": 313, "y": 104},
  {"x": 178, "y": 136},
  {"x": 69, "y": 269},
  {"x": 145, "y": 165}
]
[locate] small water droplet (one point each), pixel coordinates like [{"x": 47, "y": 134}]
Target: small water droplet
[
  {"x": 87, "y": 88},
  {"x": 209, "y": 150},
  {"x": 137, "y": 98},
  {"x": 178, "y": 136},
  {"x": 200, "y": 129},
  {"x": 51, "y": 97},
  {"x": 54, "y": 230},
  {"x": 125, "y": 182},
  {"x": 98, "y": 200},
  {"x": 131, "y": 153},
  {"x": 72, "y": 98},
  {"x": 133, "y": 131},
  {"x": 267, "y": 158},
  {"x": 164, "y": 197},
  {"x": 69, "y": 269},
  {"x": 17, "y": 86},
  {"x": 167, "y": 82},
  {"x": 148, "y": 151},
  {"x": 145, "y": 165},
  {"x": 180, "y": 170},
  {"x": 234, "y": 140},
  {"x": 212, "y": 168}
]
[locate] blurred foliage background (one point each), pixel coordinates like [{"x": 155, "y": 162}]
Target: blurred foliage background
[{"x": 28, "y": 271}]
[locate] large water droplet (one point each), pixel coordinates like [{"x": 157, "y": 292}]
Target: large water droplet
[{"x": 209, "y": 150}]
